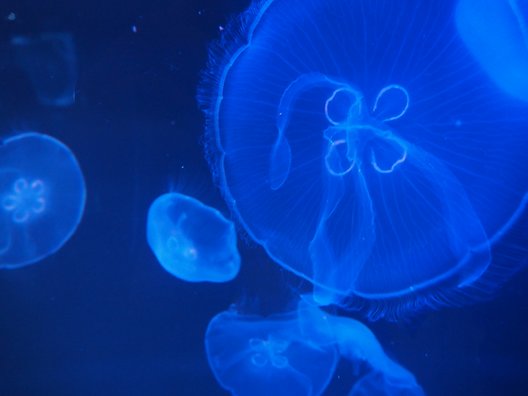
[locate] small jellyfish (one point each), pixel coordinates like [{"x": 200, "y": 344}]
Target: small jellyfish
[
  {"x": 496, "y": 33},
  {"x": 50, "y": 62},
  {"x": 356, "y": 343},
  {"x": 192, "y": 241},
  {"x": 256, "y": 356},
  {"x": 42, "y": 198},
  {"x": 365, "y": 147}
]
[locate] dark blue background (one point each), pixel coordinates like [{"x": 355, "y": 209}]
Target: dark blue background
[{"x": 101, "y": 317}]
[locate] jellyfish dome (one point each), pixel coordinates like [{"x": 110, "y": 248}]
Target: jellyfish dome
[
  {"x": 42, "y": 197},
  {"x": 256, "y": 356},
  {"x": 192, "y": 241},
  {"x": 296, "y": 353},
  {"x": 374, "y": 147}
]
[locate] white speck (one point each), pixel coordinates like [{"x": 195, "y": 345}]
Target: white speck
[
  {"x": 134, "y": 29},
  {"x": 221, "y": 28},
  {"x": 11, "y": 16}
]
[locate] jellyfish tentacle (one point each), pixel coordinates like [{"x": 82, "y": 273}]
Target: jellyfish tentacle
[{"x": 348, "y": 206}]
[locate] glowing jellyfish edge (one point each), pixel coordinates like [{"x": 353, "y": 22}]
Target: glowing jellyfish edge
[
  {"x": 476, "y": 213},
  {"x": 192, "y": 241},
  {"x": 42, "y": 198}
]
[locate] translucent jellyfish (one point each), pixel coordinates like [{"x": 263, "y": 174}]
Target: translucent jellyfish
[
  {"x": 256, "y": 356},
  {"x": 50, "y": 62},
  {"x": 42, "y": 197},
  {"x": 359, "y": 345},
  {"x": 496, "y": 33},
  {"x": 297, "y": 353},
  {"x": 192, "y": 241},
  {"x": 365, "y": 147}
]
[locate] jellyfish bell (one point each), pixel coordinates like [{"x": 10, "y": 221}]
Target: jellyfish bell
[
  {"x": 365, "y": 147},
  {"x": 192, "y": 241},
  {"x": 42, "y": 198},
  {"x": 252, "y": 355},
  {"x": 296, "y": 353}
]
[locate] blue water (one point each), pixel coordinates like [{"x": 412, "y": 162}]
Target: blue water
[{"x": 100, "y": 315}]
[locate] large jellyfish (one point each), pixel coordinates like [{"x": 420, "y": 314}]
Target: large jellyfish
[
  {"x": 297, "y": 353},
  {"x": 192, "y": 241},
  {"x": 42, "y": 197},
  {"x": 373, "y": 147}
]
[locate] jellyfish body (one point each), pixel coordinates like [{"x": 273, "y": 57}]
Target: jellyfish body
[
  {"x": 50, "y": 62},
  {"x": 256, "y": 356},
  {"x": 192, "y": 241},
  {"x": 496, "y": 33},
  {"x": 42, "y": 197},
  {"x": 297, "y": 353},
  {"x": 364, "y": 147}
]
